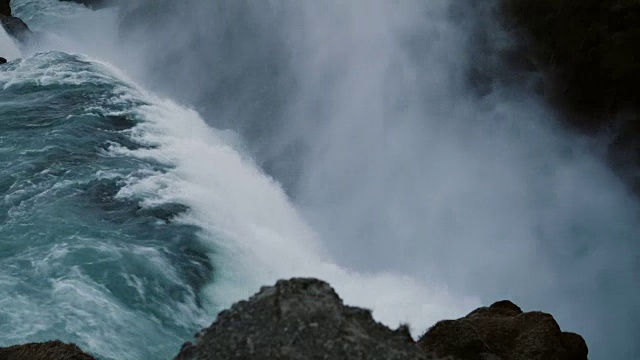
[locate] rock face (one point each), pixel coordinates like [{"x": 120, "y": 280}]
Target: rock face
[
  {"x": 299, "y": 319},
  {"x": 591, "y": 47},
  {"x": 503, "y": 332},
  {"x": 11, "y": 24},
  {"x": 590, "y": 54},
  {"x": 5, "y": 7},
  {"x": 51, "y": 350}
]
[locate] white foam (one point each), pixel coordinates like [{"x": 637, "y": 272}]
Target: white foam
[{"x": 255, "y": 234}]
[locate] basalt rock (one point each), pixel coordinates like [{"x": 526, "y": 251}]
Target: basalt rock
[
  {"x": 299, "y": 319},
  {"x": 51, "y": 350},
  {"x": 503, "y": 332}
]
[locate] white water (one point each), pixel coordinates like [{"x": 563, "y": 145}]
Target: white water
[
  {"x": 407, "y": 178},
  {"x": 255, "y": 233}
]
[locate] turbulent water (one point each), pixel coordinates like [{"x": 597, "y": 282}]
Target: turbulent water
[{"x": 128, "y": 220}]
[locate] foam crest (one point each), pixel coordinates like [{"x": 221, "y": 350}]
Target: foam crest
[{"x": 254, "y": 233}]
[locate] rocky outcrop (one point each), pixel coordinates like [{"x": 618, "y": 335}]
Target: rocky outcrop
[
  {"x": 503, "y": 332},
  {"x": 299, "y": 319},
  {"x": 12, "y": 25},
  {"x": 305, "y": 319},
  {"x": 51, "y": 350}
]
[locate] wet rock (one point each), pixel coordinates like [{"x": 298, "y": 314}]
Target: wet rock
[
  {"x": 299, "y": 319},
  {"x": 3, "y": 60},
  {"x": 503, "y": 332},
  {"x": 51, "y": 350}
]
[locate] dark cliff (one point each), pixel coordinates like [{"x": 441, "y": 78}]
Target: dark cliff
[{"x": 589, "y": 53}]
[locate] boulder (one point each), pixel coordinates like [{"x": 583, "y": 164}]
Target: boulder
[
  {"x": 51, "y": 350},
  {"x": 503, "y": 332},
  {"x": 299, "y": 319}
]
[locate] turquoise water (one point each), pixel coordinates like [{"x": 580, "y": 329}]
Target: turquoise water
[{"x": 80, "y": 262}]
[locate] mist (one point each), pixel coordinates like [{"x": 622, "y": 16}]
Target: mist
[
  {"x": 10, "y": 50},
  {"x": 408, "y": 145}
]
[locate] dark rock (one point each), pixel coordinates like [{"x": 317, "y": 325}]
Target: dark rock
[
  {"x": 588, "y": 50},
  {"x": 5, "y": 7},
  {"x": 11, "y": 24},
  {"x": 94, "y": 4},
  {"x": 503, "y": 332},
  {"x": 15, "y": 27},
  {"x": 3, "y": 60},
  {"x": 51, "y": 350},
  {"x": 299, "y": 319}
]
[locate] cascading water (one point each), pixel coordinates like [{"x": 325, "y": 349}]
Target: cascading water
[{"x": 128, "y": 219}]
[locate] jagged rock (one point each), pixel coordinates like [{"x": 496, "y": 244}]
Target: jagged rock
[
  {"x": 503, "y": 332},
  {"x": 299, "y": 319},
  {"x": 51, "y": 350}
]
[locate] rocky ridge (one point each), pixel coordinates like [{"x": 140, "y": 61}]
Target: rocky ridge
[
  {"x": 299, "y": 319},
  {"x": 304, "y": 319}
]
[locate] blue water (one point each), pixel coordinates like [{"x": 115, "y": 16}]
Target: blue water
[{"x": 79, "y": 262}]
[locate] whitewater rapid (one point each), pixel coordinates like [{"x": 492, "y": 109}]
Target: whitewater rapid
[
  {"x": 412, "y": 195},
  {"x": 126, "y": 180}
]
